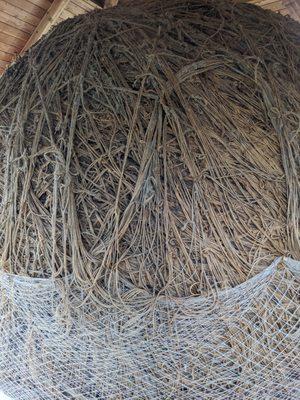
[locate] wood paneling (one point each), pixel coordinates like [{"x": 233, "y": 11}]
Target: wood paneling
[
  {"x": 78, "y": 7},
  {"x": 49, "y": 19},
  {"x": 16, "y": 23},
  {"x": 65, "y": 14},
  {"x": 44, "y": 4},
  {"x": 28, "y": 7},
  {"x": 75, "y": 9},
  {"x": 3, "y": 64},
  {"x": 274, "y": 5},
  {"x": 18, "y": 13},
  {"x": 9, "y": 49},
  {"x": 13, "y": 31},
  {"x": 293, "y": 7},
  {"x": 83, "y": 4},
  {"x": 12, "y": 41},
  {"x": 6, "y": 57}
]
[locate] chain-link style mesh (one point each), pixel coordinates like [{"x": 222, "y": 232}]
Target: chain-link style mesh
[{"x": 242, "y": 344}]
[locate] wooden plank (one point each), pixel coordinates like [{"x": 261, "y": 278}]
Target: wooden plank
[
  {"x": 18, "y": 13},
  {"x": 262, "y": 2},
  {"x": 277, "y": 5},
  {"x": 28, "y": 7},
  {"x": 274, "y": 5},
  {"x": 74, "y": 9},
  {"x": 65, "y": 14},
  {"x": 3, "y": 64},
  {"x": 5, "y": 56},
  {"x": 12, "y": 41},
  {"x": 266, "y": 4},
  {"x": 12, "y": 31},
  {"x": 83, "y": 4},
  {"x": 16, "y": 23},
  {"x": 47, "y": 21},
  {"x": 44, "y": 4},
  {"x": 9, "y": 49}
]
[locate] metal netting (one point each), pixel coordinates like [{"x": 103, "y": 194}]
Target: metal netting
[{"x": 242, "y": 344}]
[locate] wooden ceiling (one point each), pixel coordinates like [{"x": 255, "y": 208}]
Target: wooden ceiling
[{"x": 23, "y": 22}]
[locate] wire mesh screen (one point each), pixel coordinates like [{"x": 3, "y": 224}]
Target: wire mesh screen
[{"x": 242, "y": 344}]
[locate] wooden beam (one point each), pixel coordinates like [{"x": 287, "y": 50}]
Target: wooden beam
[{"x": 49, "y": 19}]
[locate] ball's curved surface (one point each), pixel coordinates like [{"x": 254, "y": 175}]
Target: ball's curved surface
[
  {"x": 154, "y": 146},
  {"x": 149, "y": 153}
]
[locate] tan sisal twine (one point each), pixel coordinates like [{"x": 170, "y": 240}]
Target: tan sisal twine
[
  {"x": 155, "y": 146},
  {"x": 149, "y": 179}
]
